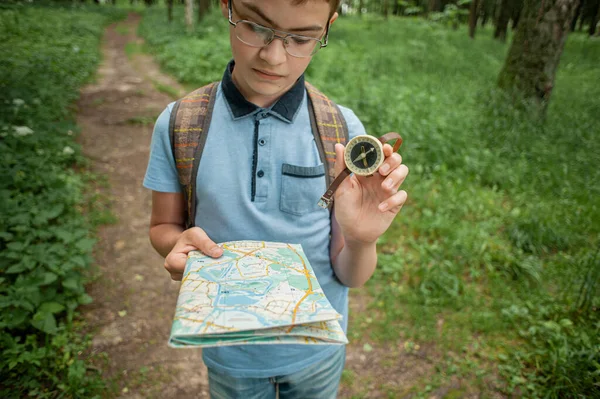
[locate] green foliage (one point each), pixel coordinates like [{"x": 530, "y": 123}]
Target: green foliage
[
  {"x": 492, "y": 255},
  {"x": 45, "y": 238}
]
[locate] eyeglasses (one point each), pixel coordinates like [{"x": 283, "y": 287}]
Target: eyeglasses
[{"x": 256, "y": 35}]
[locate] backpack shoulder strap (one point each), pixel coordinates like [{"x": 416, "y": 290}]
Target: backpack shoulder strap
[
  {"x": 328, "y": 126},
  {"x": 188, "y": 129}
]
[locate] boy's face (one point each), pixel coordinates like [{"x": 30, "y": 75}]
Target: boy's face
[{"x": 264, "y": 74}]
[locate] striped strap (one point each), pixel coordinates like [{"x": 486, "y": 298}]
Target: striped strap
[
  {"x": 190, "y": 118},
  {"x": 328, "y": 126}
]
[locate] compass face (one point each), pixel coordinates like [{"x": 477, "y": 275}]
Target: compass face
[{"x": 363, "y": 155}]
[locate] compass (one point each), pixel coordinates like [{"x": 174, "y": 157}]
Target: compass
[{"x": 363, "y": 156}]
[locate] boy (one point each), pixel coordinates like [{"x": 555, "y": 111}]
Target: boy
[{"x": 260, "y": 124}]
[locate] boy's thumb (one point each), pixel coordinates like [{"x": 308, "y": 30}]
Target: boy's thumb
[
  {"x": 340, "y": 163},
  {"x": 201, "y": 241}
]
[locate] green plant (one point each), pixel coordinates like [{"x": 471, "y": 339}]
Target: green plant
[{"x": 45, "y": 238}]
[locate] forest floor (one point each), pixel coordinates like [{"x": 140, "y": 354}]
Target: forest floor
[{"x": 134, "y": 297}]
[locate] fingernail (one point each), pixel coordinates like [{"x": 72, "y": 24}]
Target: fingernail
[
  {"x": 384, "y": 168},
  {"x": 383, "y": 206},
  {"x": 388, "y": 183},
  {"x": 215, "y": 251}
]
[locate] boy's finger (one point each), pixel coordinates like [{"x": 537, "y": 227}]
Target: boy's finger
[
  {"x": 200, "y": 240},
  {"x": 390, "y": 164},
  {"x": 387, "y": 150},
  {"x": 340, "y": 163}
]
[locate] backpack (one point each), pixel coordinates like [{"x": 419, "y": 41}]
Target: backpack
[{"x": 191, "y": 116}]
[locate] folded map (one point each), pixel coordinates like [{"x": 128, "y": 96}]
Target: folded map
[{"x": 256, "y": 293}]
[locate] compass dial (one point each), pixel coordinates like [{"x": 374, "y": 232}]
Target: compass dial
[{"x": 363, "y": 155}]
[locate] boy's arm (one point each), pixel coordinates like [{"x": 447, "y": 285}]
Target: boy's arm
[
  {"x": 353, "y": 262},
  {"x": 170, "y": 239}
]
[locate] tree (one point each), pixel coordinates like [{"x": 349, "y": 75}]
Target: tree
[
  {"x": 503, "y": 18},
  {"x": 170, "y": 10},
  {"x": 189, "y": 14},
  {"x": 203, "y": 7},
  {"x": 473, "y": 14},
  {"x": 594, "y": 18},
  {"x": 533, "y": 58}
]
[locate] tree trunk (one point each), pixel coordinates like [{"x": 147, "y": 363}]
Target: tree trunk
[
  {"x": 203, "y": 7},
  {"x": 531, "y": 64},
  {"x": 360, "y": 7},
  {"x": 434, "y": 6},
  {"x": 502, "y": 22},
  {"x": 189, "y": 14},
  {"x": 594, "y": 19},
  {"x": 516, "y": 9},
  {"x": 386, "y": 9},
  {"x": 473, "y": 18},
  {"x": 170, "y": 10},
  {"x": 576, "y": 16}
]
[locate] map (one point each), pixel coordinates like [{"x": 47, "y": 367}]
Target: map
[{"x": 256, "y": 293}]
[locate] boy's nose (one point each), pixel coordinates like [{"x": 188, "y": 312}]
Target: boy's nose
[{"x": 274, "y": 53}]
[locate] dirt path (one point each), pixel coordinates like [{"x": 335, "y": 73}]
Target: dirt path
[{"x": 134, "y": 298}]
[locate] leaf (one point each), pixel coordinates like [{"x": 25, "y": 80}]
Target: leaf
[
  {"x": 48, "y": 278},
  {"x": 16, "y": 246},
  {"x": 45, "y": 322},
  {"x": 367, "y": 348},
  {"x": 84, "y": 299},
  {"x": 51, "y": 307},
  {"x": 71, "y": 284},
  {"x": 18, "y": 268},
  {"x": 85, "y": 244}
]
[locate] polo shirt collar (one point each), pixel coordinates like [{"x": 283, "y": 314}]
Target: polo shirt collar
[{"x": 285, "y": 108}]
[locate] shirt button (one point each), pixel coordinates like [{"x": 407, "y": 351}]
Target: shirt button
[
  {"x": 262, "y": 142},
  {"x": 260, "y": 173}
]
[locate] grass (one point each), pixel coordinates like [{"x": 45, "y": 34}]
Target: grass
[{"x": 493, "y": 259}]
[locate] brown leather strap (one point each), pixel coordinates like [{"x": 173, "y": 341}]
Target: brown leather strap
[
  {"x": 327, "y": 198},
  {"x": 392, "y": 136}
]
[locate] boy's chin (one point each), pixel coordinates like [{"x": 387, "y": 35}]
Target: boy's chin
[{"x": 269, "y": 89}]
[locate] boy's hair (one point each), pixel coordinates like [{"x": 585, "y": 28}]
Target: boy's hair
[{"x": 333, "y": 4}]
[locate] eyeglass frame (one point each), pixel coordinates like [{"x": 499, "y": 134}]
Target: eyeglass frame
[{"x": 275, "y": 36}]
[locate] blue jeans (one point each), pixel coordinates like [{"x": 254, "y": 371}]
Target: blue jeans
[{"x": 319, "y": 381}]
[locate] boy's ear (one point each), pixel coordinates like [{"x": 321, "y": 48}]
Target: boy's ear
[
  {"x": 224, "y": 8},
  {"x": 332, "y": 19}
]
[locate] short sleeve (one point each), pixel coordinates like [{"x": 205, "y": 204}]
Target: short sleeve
[
  {"x": 355, "y": 126},
  {"x": 161, "y": 174}
]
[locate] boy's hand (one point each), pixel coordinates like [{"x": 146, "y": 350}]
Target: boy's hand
[
  {"x": 365, "y": 206},
  {"x": 191, "y": 239}
]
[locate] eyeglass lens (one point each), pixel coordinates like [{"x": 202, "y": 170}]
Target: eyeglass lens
[{"x": 258, "y": 36}]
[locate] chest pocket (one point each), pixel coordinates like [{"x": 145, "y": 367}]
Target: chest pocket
[{"x": 301, "y": 188}]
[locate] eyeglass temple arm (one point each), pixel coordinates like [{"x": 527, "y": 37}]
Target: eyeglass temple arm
[{"x": 326, "y": 35}]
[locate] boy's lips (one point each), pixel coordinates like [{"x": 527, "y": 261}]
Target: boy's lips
[{"x": 267, "y": 75}]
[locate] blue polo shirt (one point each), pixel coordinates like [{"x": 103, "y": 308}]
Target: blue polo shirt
[{"x": 260, "y": 178}]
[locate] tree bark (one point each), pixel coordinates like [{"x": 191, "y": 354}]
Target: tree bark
[
  {"x": 189, "y": 14},
  {"x": 203, "y": 7},
  {"x": 594, "y": 19},
  {"x": 385, "y": 8},
  {"x": 576, "y": 16},
  {"x": 503, "y": 18},
  {"x": 533, "y": 58},
  {"x": 473, "y": 14},
  {"x": 170, "y": 10}
]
